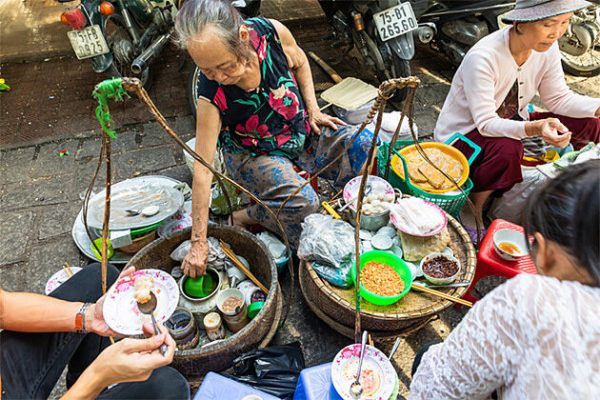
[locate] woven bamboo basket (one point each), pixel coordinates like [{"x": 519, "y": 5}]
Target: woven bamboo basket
[
  {"x": 413, "y": 310},
  {"x": 219, "y": 356}
]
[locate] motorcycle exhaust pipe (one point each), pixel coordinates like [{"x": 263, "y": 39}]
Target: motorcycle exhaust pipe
[{"x": 141, "y": 62}]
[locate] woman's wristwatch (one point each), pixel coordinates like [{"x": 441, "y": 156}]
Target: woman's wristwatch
[{"x": 80, "y": 318}]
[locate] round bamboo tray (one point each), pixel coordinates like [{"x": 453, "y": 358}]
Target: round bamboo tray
[
  {"x": 383, "y": 339},
  {"x": 414, "y": 309},
  {"x": 219, "y": 356}
]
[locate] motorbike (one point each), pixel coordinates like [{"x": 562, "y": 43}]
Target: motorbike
[
  {"x": 381, "y": 31},
  {"x": 120, "y": 37},
  {"x": 453, "y": 26},
  {"x": 580, "y": 45},
  {"x": 248, "y": 9}
]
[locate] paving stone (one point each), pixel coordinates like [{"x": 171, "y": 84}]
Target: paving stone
[
  {"x": 89, "y": 148},
  {"x": 184, "y": 126},
  {"x": 16, "y": 231},
  {"x": 49, "y": 162},
  {"x": 15, "y": 164},
  {"x": 154, "y": 135},
  {"x": 57, "y": 220},
  {"x": 37, "y": 192},
  {"x": 14, "y": 277},
  {"x": 83, "y": 177},
  {"x": 180, "y": 172},
  {"x": 126, "y": 141},
  {"x": 140, "y": 162}
]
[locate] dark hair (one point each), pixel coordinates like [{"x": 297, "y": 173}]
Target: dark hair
[
  {"x": 516, "y": 27},
  {"x": 566, "y": 211}
]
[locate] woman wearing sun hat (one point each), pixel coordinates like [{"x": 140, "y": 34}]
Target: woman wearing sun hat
[{"x": 498, "y": 78}]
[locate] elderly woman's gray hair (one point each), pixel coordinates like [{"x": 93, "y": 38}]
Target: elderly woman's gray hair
[{"x": 219, "y": 15}]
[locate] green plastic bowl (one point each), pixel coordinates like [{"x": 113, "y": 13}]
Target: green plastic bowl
[{"x": 388, "y": 259}]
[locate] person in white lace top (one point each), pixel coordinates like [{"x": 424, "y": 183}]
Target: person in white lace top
[{"x": 535, "y": 336}]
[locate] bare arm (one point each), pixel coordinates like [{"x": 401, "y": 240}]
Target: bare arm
[
  {"x": 30, "y": 312},
  {"x": 208, "y": 126},
  {"x": 298, "y": 63}
]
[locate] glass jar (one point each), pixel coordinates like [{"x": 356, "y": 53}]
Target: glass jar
[{"x": 214, "y": 326}]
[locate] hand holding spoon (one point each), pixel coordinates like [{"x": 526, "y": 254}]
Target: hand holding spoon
[{"x": 148, "y": 309}]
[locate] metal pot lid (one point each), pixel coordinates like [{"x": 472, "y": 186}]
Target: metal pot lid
[{"x": 136, "y": 194}]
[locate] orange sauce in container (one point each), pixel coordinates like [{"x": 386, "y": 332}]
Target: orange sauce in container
[{"x": 509, "y": 248}]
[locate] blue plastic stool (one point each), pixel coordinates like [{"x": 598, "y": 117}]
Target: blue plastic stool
[
  {"x": 315, "y": 384},
  {"x": 218, "y": 387}
]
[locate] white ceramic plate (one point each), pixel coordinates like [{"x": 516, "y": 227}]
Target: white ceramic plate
[
  {"x": 376, "y": 368},
  {"x": 58, "y": 279},
  {"x": 120, "y": 308}
]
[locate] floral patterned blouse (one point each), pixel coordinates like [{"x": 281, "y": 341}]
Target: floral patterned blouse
[{"x": 271, "y": 120}]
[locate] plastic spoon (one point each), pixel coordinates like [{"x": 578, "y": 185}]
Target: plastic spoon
[
  {"x": 356, "y": 388},
  {"x": 148, "y": 308}
]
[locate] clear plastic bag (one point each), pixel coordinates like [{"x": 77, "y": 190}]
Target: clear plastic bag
[{"x": 329, "y": 243}]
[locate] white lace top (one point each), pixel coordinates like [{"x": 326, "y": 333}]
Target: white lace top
[{"x": 533, "y": 337}]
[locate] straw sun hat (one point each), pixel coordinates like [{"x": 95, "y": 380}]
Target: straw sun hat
[{"x": 535, "y": 10}]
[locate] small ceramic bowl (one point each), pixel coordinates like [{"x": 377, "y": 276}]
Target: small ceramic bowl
[
  {"x": 440, "y": 281},
  {"x": 510, "y": 245}
]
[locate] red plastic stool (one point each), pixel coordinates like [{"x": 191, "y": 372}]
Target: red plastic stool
[{"x": 490, "y": 264}]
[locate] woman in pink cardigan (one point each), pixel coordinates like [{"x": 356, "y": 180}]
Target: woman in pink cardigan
[{"x": 497, "y": 80}]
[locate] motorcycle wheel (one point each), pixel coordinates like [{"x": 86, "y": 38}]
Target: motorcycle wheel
[
  {"x": 587, "y": 64},
  {"x": 192, "y": 89},
  {"x": 122, "y": 48},
  {"x": 400, "y": 69}
]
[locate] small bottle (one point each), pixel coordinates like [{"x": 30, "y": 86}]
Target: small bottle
[{"x": 214, "y": 326}]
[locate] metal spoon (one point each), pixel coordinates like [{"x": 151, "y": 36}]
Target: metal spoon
[
  {"x": 132, "y": 212},
  {"x": 367, "y": 191},
  {"x": 395, "y": 347},
  {"x": 356, "y": 388},
  {"x": 148, "y": 309}
]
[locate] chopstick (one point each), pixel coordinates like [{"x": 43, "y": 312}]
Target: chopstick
[
  {"x": 67, "y": 269},
  {"x": 229, "y": 253},
  {"x": 442, "y": 295}
]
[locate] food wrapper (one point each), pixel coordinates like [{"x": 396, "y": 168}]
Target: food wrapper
[{"x": 329, "y": 244}]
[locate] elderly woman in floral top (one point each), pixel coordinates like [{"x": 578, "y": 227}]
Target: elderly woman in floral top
[{"x": 257, "y": 101}]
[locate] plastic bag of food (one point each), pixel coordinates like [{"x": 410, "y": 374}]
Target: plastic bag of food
[
  {"x": 329, "y": 244},
  {"x": 275, "y": 246},
  {"x": 181, "y": 251}
]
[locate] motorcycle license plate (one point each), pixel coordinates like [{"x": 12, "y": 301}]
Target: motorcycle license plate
[
  {"x": 88, "y": 42},
  {"x": 395, "y": 21}
]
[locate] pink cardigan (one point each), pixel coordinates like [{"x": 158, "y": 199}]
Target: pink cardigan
[{"x": 484, "y": 79}]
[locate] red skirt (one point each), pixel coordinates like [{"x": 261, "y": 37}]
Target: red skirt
[{"x": 498, "y": 166}]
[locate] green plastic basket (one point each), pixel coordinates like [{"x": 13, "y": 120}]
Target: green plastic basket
[
  {"x": 451, "y": 203},
  {"x": 393, "y": 261}
]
